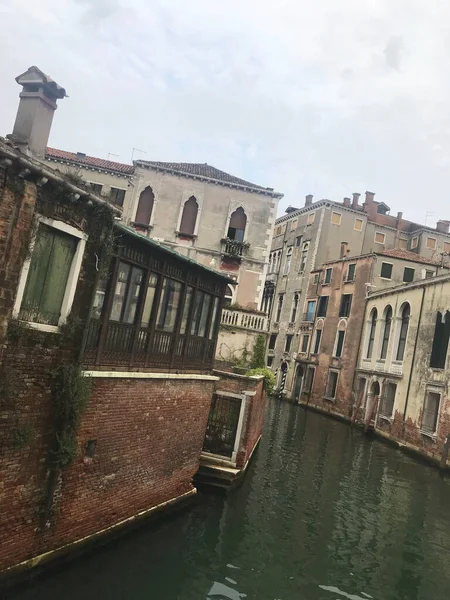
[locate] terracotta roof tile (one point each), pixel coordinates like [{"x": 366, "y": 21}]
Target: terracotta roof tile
[
  {"x": 89, "y": 161},
  {"x": 407, "y": 255}
]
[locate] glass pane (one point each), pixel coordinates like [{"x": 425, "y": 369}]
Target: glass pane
[
  {"x": 186, "y": 309},
  {"x": 133, "y": 295},
  {"x": 214, "y": 318},
  {"x": 99, "y": 299},
  {"x": 49, "y": 271},
  {"x": 149, "y": 300},
  {"x": 168, "y": 305},
  {"x": 120, "y": 291},
  {"x": 197, "y": 313},
  {"x": 204, "y": 315}
]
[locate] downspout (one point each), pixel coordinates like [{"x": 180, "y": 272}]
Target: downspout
[{"x": 413, "y": 357}]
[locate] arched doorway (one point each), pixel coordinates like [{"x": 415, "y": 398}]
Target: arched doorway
[{"x": 298, "y": 383}]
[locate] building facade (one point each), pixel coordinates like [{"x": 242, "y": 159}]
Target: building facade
[{"x": 306, "y": 238}]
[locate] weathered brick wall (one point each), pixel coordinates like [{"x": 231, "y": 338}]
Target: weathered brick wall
[{"x": 148, "y": 433}]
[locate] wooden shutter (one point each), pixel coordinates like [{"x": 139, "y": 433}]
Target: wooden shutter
[
  {"x": 189, "y": 216},
  {"x": 145, "y": 207}
]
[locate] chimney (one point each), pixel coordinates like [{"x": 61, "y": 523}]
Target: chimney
[
  {"x": 347, "y": 202},
  {"x": 344, "y": 249},
  {"x": 35, "y": 113},
  {"x": 443, "y": 226},
  {"x": 290, "y": 209},
  {"x": 355, "y": 200},
  {"x": 370, "y": 197},
  {"x": 309, "y": 199}
]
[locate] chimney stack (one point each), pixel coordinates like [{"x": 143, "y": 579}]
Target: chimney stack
[
  {"x": 443, "y": 226},
  {"x": 355, "y": 200},
  {"x": 290, "y": 209},
  {"x": 370, "y": 197},
  {"x": 344, "y": 249},
  {"x": 35, "y": 113},
  {"x": 309, "y": 200},
  {"x": 347, "y": 202}
]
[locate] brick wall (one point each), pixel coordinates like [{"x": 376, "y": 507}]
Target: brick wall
[{"x": 148, "y": 434}]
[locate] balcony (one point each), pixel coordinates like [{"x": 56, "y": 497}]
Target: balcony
[
  {"x": 248, "y": 320},
  {"x": 308, "y": 317},
  {"x": 234, "y": 248}
]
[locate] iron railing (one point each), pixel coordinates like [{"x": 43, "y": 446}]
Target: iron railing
[{"x": 222, "y": 425}]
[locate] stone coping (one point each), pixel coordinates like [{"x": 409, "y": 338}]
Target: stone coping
[{"x": 142, "y": 375}]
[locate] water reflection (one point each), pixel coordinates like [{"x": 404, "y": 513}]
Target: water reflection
[{"x": 323, "y": 514}]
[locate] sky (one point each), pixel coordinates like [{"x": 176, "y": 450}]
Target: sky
[{"x": 323, "y": 97}]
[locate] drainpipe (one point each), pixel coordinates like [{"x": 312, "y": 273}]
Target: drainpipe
[{"x": 413, "y": 357}]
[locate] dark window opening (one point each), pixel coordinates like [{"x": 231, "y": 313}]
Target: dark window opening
[
  {"x": 408, "y": 274},
  {"x": 145, "y": 207},
  {"x": 236, "y": 228},
  {"x": 317, "y": 341},
  {"x": 440, "y": 341},
  {"x": 294, "y": 307},
  {"x": 96, "y": 188},
  {"x": 189, "y": 216},
  {"x": 386, "y": 333},
  {"x": 328, "y": 274},
  {"x": 288, "y": 343},
  {"x": 331, "y": 384},
  {"x": 298, "y": 241},
  {"x": 386, "y": 270},
  {"x": 373, "y": 326},
  {"x": 305, "y": 342},
  {"x": 117, "y": 196},
  {"x": 272, "y": 341},
  {"x": 269, "y": 361},
  {"x": 351, "y": 272},
  {"x": 346, "y": 304},
  {"x": 339, "y": 343},
  {"x": 388, "y": 399},
  {"x": 403, "y": 332},
  {"x": 310, "y": 371},
  {"x": 430, "y": 412},
  {"x": 322, "y": 306},
  {"x": 279, "y": 307}
]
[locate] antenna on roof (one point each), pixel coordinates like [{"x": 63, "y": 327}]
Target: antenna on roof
[
  {"x": 111, "y": 154},
  {"x": 137, "y": 150},
  {"x": 429, "y": 213}
]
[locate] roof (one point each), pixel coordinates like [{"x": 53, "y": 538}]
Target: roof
[
  {"x": 205, "y": 171},
  {"x": 164, "y": 248},
  {"x": 407, "y": 255},
  {"x": 88, "y": 161},
  {"x": 412, "y": 285}
]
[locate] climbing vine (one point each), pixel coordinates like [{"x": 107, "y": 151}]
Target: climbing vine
[{"x": 258, "y": 360}]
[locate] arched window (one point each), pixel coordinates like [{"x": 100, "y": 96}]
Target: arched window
[
  {"x": 340, "y": 337},
  {"x": 372, "y": 329},
  {"x": 405, "y": 314},
  {"x": 236, "y": 228},
  {"x": 295, "y": 307},
  {"x": 440, "y": 341},
  {"x": 228, "y": 296},
  {"x": 145, "y": 207},
  {"x": 386, "y": 331},
  {"x": 318, "y": 336},
  {"x": 287, "y": 264},
  {"x": 189, "y": 216}
]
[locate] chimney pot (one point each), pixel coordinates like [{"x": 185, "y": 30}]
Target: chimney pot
[
  {"x": 355, "y": 200},
  {"x": 81, "y": 155},
  {"x": 399, "y": 216},
  {"x": 347, "y": 202},
  {"x": 443, "y": 226},
  {"x": 35, "y": 113},
  {"x": 309, "y": 200},
  {"x": 370, "y": 197}
]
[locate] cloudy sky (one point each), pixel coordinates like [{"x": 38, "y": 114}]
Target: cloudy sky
[{"x": 321, "y": 97}]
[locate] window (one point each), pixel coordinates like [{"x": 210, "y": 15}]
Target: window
[
  {"x": 447, "y": 247},
  {"x": 293, "y": 224},
  {"x": 310, "y": 220},
  {"x": 145, "y": 207},
  {"x": 388, "y": 399},
  {"x": 96, "y": 187},
  {"x": 202, "y": 304},
  {"x": 328, "y": 274},
  {"x": 414, "y": 242},
  {"x": 295, "y": 307},
  {"x": 305, "y": 342},
  {"x": 430, "y": 243},
  {"x": 310, "y": 310},
  {"x": 126, "y": 293},
  {"x": 346, "y": 304},
  {"x": 386, "y": 270},
  {"x": 316, "y": 279},
  {"x": 386, "y": 332},
  {"x": 309, "y": 379},
  {"x": 372, "y": 329},
  {"x": 408, "y": 274},
  {"x": 272, "y": 341},
  {"x": 287, "y": 264},
  {"x": 339, "y": 344},
  {"x": 189, "y": 216},
  {"x": 238, "y": 222},
  {"x": 336, "y": 218},
  {"x": 298, "y": 241},
  {"x": 304, "y": 256},
  {"x": 49, "y": 277},
  {"x": 440, "y": 341},
  {"x": 358, "y": 225},
  {"x": 277, "y": 230},
  {"x": 317, "y": 339},
  {"x": 351, "y": 272},
  {"x": 269, "y": 361},
  {"x": 430, "y": 412},
  {"x": 403, "y": 243},
  {"x": 403, "y": 332},
  {"x": 99, "y": 299},
  {"x": 279, "y": 307},
  {"x": 149, "y": 300},
  {"x": 322, "y": 306},
  {"x": 380, "y": 238},
  {"x": 331, "y": 385},
  {"x": 186, "y": 309},
  {"x": 168, "y": 305},
  {"x": 288, "y": 343},
  {"x": 213, "y": 323},
  {"x": 429, "y": 274},
  {"x": 228, "y": 296},
  {"x": 117, "y": 196}
]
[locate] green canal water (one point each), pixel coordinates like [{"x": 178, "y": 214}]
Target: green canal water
[{"x": 324, "y": 513}]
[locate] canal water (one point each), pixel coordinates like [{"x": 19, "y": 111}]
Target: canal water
[{"x": 324, "y": 513}]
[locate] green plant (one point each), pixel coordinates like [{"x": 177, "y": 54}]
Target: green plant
[
  {"x": 269, "y": 378},
  {"x": 258, "y": 360}
]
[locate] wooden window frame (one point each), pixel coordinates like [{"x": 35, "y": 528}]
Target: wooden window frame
[
  {"x": 357, "y": 220},
  {"x": 338, "y": 214},
  {"x": 431, "y": 247},
  {"x": 375, "y": 238}
]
